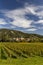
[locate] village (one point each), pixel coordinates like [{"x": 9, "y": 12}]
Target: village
[{"x": 20, "y": 39}]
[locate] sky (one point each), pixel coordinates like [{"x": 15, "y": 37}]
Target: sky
[{"x": 22, "y": 15}]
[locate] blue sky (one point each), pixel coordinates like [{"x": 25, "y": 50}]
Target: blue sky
[{"x": 23, "y": 15}]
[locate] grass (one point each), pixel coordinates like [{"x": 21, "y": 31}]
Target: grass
[
  {"x": 21, "y": 53},
  {"x": 23, "y": 61}
]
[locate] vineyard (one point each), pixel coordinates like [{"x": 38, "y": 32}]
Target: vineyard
[
  {"x": 21, "y": 53},
  {"x": 20, "y": 50}
]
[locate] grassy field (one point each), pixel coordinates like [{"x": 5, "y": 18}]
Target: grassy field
[
  {"x": 23, "y": 61},
  {"x": 21, "y": 53}
]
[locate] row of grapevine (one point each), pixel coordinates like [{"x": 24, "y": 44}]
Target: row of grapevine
[
  {"x": 26, "y": 49},
  {"x": 17, "y": 50}
]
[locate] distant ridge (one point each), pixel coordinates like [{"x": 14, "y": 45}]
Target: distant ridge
[{"x": 10, "y": 35}]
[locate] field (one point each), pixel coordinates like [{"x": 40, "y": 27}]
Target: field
[{"x": 21, "y": 53}]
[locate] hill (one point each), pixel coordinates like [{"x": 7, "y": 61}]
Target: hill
[{"x": 14, "y": 35}]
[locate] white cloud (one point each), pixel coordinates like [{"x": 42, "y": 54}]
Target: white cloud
[
  {"x": 12, "y": 27},
  {"x": 32, "y": 29},
  {"x": 20, "y": 22},
  {"x": 40, "y": 27},
  {"x": 35, "y": 10},
  {"x": 40, "y": 21},
  {"x": 2, "y": 21},
  {"x": 18, "y": 16}
]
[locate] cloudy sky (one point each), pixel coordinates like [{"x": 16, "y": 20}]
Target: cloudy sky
[{"x": 23, "y": 15}]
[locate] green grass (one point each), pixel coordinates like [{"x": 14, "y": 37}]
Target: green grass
[
  {"x": 21, "y": 53},
  {"x": 22, "y": 61}
]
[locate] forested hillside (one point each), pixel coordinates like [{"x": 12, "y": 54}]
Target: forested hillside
[{"x": 14, "y": 35}]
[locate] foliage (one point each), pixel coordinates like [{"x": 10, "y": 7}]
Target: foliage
[
  {"x": 21, "y": 50},
  {"x": 21, "y": 53},
  {"x": 7, "y": 35}
]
